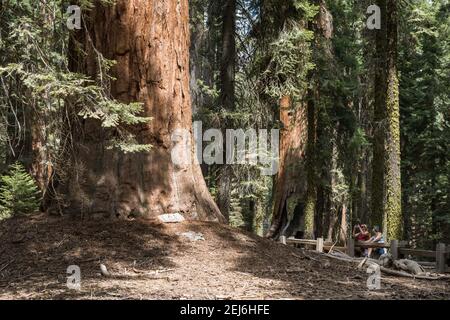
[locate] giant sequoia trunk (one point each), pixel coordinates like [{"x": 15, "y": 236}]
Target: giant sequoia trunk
[
  {"x": 290, "y": 184},
  {"x": 150, "y": 42},
  {"x": 295, "y": 191}
]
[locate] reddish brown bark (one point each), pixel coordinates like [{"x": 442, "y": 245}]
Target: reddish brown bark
[
  {"x": 150, "y": 42},
  {"x": 40, "y": 168},
  {"x": 295, "y": 192},
  {"x": 290, "y": 183}
]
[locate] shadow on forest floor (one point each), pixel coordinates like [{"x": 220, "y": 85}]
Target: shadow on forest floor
[
  {"x": 150, "y": 260},
  {"x": 35, "y": 252}
]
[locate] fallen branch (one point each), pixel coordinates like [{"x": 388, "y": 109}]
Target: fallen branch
[
  {"x": 297, "y": 256},
  {"x": 152, "y": 271},
  {"x": 306, "y": 256},
  {"x": 6, "y": 265},
  {"x": 408, "y": 275},
  {"x": 332, "y": 247},
  {"x": 311, "y": 258},
  {"x": 386, "y": 270},
  {"x": 362, "y": 263}
]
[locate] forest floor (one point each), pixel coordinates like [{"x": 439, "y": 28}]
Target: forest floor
[{"x": 150, "y": 260}]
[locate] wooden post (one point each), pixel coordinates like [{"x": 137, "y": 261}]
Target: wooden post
[
  {"x": 394, "y": 249},
  {"x": 440, "y": 258},
  {"x": 319, "y": 245},
  {"x": 447, "y": 259},
  {"x": 351, "y": 247},
  {"x": 401, "y": 244},
  {"x": 283, "y": 239}
]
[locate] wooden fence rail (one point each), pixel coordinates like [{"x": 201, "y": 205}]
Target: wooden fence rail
[{"x": 396, "y": 248}]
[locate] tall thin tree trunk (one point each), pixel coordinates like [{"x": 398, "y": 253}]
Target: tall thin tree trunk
[
  {"x": 258, "y": 217},
  {"x": 343, "y": 230},
  {"x": 334, "y": 206},
  {"x": 228, "y": 63},
  {"x": 40, "y": 168},
  {"x": 363, "y": 192},
  {"x": 392, "y": 171},
  {"x": 323, "y": 28},
  {"x": 150, "y": 42},
  {"x": 311, "y": 194},
  {"x": 377, "y": 199},
  {"x": 227, "y": 94}
]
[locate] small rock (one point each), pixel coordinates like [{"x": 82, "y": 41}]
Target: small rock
[
  {"x": 171, "y": 218},
  {"x": 193, "y": 236},
  {"x": 104, "y": 270}
]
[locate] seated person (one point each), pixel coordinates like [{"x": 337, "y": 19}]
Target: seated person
[
  {"x": 376, "y": 238},
  {"x": 361, "y": 232}
]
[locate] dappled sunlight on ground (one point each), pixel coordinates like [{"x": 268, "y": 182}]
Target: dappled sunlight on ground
[{"x": 149, "y": 260}]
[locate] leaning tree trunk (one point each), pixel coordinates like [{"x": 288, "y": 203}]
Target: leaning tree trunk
[{"x": 150, "y": 42}]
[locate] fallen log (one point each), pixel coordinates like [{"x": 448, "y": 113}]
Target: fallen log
[
  {"x": 370, "y": 261},
  {"x": 410, "y": 266}
]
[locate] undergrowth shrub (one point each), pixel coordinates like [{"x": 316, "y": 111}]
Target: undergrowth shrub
[{"x": 18, "y": 192}]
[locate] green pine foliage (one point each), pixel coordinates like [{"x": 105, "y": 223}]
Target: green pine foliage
[
  {"x": 18, "y": 192},
  {"x": 35, "y": 78},
  {"x": 425, "y": 123}
]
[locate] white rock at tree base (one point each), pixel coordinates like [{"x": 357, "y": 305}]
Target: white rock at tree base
[{"x": 171, "y": 218}]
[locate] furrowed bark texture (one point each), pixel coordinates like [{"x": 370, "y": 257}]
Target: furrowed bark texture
[
  {"x": 150, "y": 42},
  {"x": 377, "y": 199},
  {"x": 393, "y": 192},
  {"x": 227, "y": 95},
  {"x": 290, "y": 185}
]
